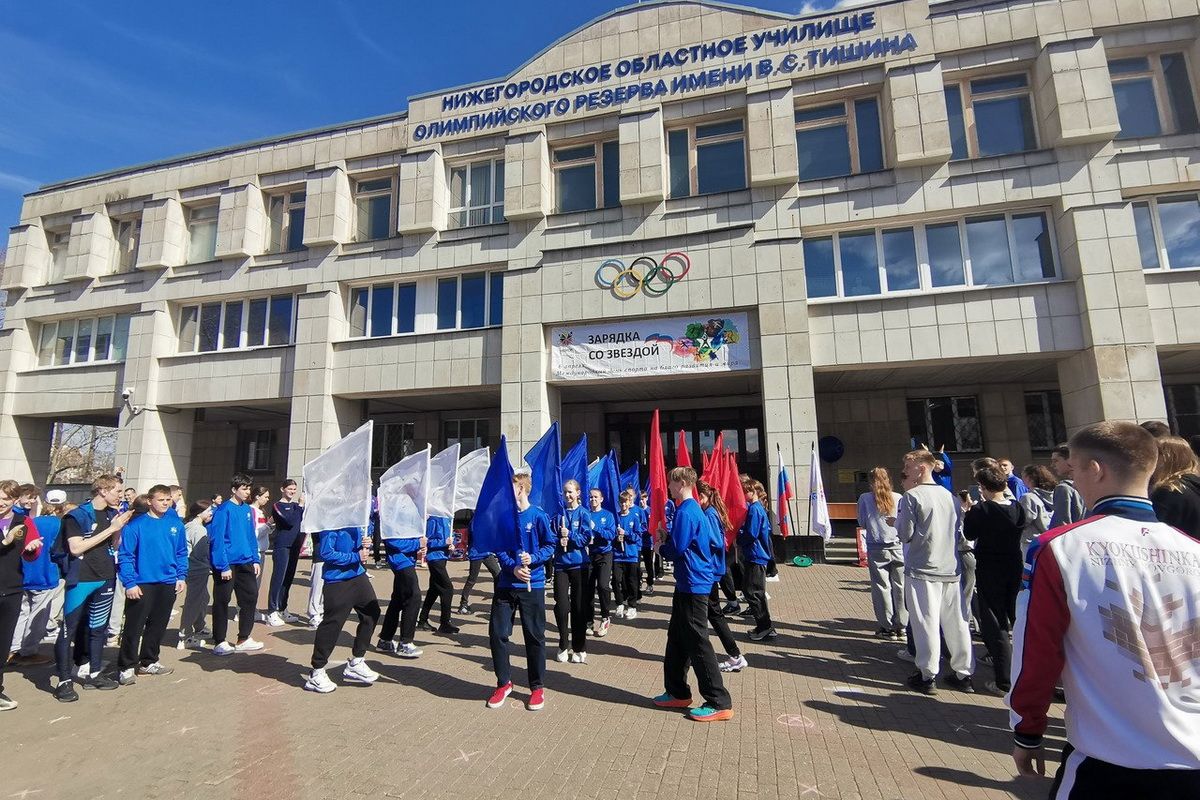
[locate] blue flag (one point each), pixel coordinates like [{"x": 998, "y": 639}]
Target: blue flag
[
  {"x": 494, "y": 526},
  {"x": 610, "y": 483},
  {"x": 575, "y": 467},
  {"x": 543, "y": 461},
  {"x": 593, "y": 481},
  {"x": 631, "y": 479}
]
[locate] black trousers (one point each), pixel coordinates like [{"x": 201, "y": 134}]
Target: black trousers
[
  {"x": 1093, "y": 779},
  {"x": 440, "y": 588},
  {"x": 145, "y": 624},
  {"x": 687, "y": 644},
  {"x": 756, "y": 595},
  {"x": 532, "y": 605},
  {"x": 10, "y": 612},
  {"x": 648, "y": 559},
  {"x": 730, "y": 582},
  {"x": 720, "y": 625},
  {"x": 245, "y": 586},
  {"x": 403, "y": 606},
  {"x": 341, "y": 598},
  {"x": 625, "y": 583},
  {"x": 997, "y": 584},
  {"x": 571, "y": 608},
  {"x": 493, "y": 567},
  {"x": 600, "y": 584}
]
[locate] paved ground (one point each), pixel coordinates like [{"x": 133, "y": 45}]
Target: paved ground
[{"x": 820, "y": 713}]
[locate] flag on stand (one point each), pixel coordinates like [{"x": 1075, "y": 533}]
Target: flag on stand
[
  {"x": 783, "y": 496},
  {"x": 658, "y": 481},
  {"x": 682, "y": 457},
  {"x": 818, "y": 509},
  {"x": 543, "y": 460},
  {"x": 494, "y": 526}
]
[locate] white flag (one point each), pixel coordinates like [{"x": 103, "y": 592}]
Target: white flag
[
  {"x": 403, "y": 498},
  {"x": 337, "y": 485},
  {"x": 471, "y": 471},
  {"x": 443, "y": 481},
  {"x": 818, "y": 513}
]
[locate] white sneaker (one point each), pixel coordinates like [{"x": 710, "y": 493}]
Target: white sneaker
[
  {"x": 734, "y": 664},
  {"x": 83, "y": 672},
  {"x": 314, "y": 622},
  {"x": 408, "y": 650},
  {"x": 318, "y": 681},
  {"x": 631, "y": 613},
  {"x": 766, "y": 595},
  {"x": 126, "y": 678},
  {"x": 260, "y": 616},
  {"x": 772, "y": 579},
  {"x": 223, "y": 649},
  {"x": 248, "y": 646},
  {"x": 357, "y": 671},
  {"x": 563, "y": 656},
  {"x": 578, "y": 658},
  {"x": 602, "y": 628},
  {"x": 274, "y": 620},
  {"x": 289, "y": 617},
  {"x": 620, "y": 612},
  {"x": 904, "y": 655}
]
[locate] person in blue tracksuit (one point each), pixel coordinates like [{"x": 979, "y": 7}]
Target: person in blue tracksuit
[
  {"x": 287, "y": 514},
  {"x": 478, "y": 560},
  {"x": 405, "y": 603},
  {"x": 718, "y": 520},
  {"x": 690, "y": 545},
  {"x": 41, "y": 578},
  {"x": 233, "y": 555},
  {"x": 650, "y": 559},
  {"x": 346, "y": 588},
  {"x": 604, "y": 532},
  {"x": 572, "y": 566},
  {"x": 153, "y": 563},
  {"x": 438, "y": 541},
  {"x": 626, "y": 550},
  {"x": 522, "y": 587},
  {"x": 754, "y": 546}
]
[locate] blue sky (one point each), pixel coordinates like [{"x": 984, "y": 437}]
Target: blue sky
[{"x": 93, "y": 86}]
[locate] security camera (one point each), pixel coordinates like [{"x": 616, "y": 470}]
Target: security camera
[{"x": 127, "y": 393}]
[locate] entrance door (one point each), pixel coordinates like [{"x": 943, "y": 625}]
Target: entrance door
[{"x": 740, "y": 429}]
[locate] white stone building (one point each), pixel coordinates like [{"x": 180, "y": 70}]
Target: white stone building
[{"x": 975, "y": 224}]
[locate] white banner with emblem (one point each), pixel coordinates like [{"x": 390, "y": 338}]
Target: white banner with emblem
[{"x": 665, "y": 346}]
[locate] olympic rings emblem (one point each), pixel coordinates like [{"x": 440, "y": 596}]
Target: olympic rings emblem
[{"x": 643, "y": 274}]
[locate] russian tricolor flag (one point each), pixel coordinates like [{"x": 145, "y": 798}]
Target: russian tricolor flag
[{"x": 784, "y": 495}]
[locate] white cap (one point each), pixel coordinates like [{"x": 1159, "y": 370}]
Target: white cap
[{"x": 56, "y": 496}]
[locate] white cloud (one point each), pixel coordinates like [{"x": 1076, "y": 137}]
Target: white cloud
[
  {"x": 825, "y": 6},
  {"x": 18, "y": 183}
]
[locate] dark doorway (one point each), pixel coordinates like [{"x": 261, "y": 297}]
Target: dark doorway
[{"x": 628, "y": 434}]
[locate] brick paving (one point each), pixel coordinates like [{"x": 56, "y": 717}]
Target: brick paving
[{"x": 821, "y": 713}]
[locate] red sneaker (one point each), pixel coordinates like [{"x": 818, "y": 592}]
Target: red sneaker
[
  {"x": 500, "y": 695},
  {"x": 537, "y": 700}
]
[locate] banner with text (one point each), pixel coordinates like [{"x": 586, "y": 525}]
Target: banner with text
[{"x": 670, "y": 346}]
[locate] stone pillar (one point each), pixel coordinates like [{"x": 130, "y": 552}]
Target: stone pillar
[
  {"x": 1074, "y": 94},
  {"x": 916, "y": 127},
  {"x": 527, "y": 176},
  {"x": 90, "y": 253},
  {"x": 164, "y": 234},
  {"x": 328, "y": 207},
  {"x": 527, "y": 403},
  {"x": 24, "y": 441},
  {"x": 771, "y": 137},
  {"x": 27, "y": 262},
  {"x": 242, "y": 228},
  {"x": 643, "y": 153},
  {"x": 424, "y": 193}
]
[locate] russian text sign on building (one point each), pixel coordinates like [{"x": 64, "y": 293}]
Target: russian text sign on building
[{"x": 667, "y": 346}]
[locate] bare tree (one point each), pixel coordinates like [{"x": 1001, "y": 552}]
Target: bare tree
[{"x": 80, "y": 453}]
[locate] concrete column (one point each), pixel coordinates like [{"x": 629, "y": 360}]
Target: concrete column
[
  {"x": 424, "y": 193},
  {"x": 643, "y": 153},
  {"x": 771, "y": 137},
  {"x": 527, "y": 176},
  {"x": 27, "y": 262},
  {"x": 164, "y": 234},
  {"x": 1073, "y": 93},
  {"x": 527, "y": 403},
  {"x": 916, "y": 127},
  {"x": 328, "y": 207},
  {"x": 24, "y": 441},
  {"x": 90, "y": 253},
  {"x": 242, "y": 228}
]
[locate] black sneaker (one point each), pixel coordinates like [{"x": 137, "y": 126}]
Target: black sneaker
[
  {"x": 962, "y": 684},
  {"x": 464, "y": 610},
  {"x": 759, "y": 636},
  {"x": 921, "y": 684},
  {"x": 446, "y": 629},
  {"x": 729, "y": 609},
  {"x": 423, "y": 625},
  {"x": 884, "y": 633},
  {"x": 100, "y": 681},
  {"x": 385, "y": 646},
  {"x": 65, "y": 692}
]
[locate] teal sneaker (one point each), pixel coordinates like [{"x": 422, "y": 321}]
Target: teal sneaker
[
  {"x": 665, "y": 700},
  {"x": 707, "y": 713}
]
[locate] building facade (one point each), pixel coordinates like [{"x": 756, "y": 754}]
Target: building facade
[{"x": 969, "y": 224}]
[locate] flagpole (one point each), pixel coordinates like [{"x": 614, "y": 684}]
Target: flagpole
[{"x": 791, "y": 503}]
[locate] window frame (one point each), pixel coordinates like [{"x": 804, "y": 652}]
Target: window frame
[
  {"x": 968, "y": 99},
  {"x": 222, "y": 324},
  {"x": 116, "y": 330},
  {"x": 1052, "y": 421},
  {"x": 1168, "y": 121},
  {"x": 120, "y": 252},
  {"x": 425, "y": 304},
  {"x": 496, "y": 204},
  {"x": 447, "y": 440},
  {"x": 192, "y": 210},
  {"x": 287, "y": 204},
  {"x": 850, "y": 117},
  {"x": 251, "y": 446},
  {"x": 1172, "y": 400},
  {"x": 58, "y": 242},
  {"x": 954, "y": 400},
  {"x": 1160, "y": 242},
  {"x": 598, "y": 164},
  {"x": 368, "y": 195},
  {"x": 693, "y": 168}
]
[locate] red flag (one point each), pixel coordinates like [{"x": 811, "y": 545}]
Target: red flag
[
  {"x": 682, "y": 457},
  {"x": 732, "y": 494},
  {"x": 658, "y": 480}
]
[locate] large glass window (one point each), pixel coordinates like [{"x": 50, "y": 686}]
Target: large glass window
[
  {"x": 587, "y": 177},
  {"x": 950, "y": 422},
  {"x": 1154, "y": 95},
  {"x": 477, "y": 193},
  {"x": 392, "y": 441},
  {"x": 1183, "y": 409},
  {"x": 373, "y": 209},
  {"x": 257, "y": 447},
  {"x": 473, "y": 300},
  {"x": 977, "y": 251},
  {"x": 286, "y": 213},
  {"x": 1044, "y": 417},
  {"x": 202, "y": 233},
  {"x": 126, "y": 235},
  {"x": 1168, "y": 231},
  {"x": 469, "y": 434},
  {"x": 236, "y": 324},
  {"x": 839, "y": 139},
  {"x": 991, "y": 116},
  {"x": 82, "y": 341},
  {"x": 707, "y": 158}
]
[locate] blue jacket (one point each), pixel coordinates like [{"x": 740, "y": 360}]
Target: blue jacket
[
  {"x": 690, "y": 547},
  {"x": 340, "y": 552},
  {"x": 437, "y": 533},
  {"x": 475, "y": 555},
  {"x": 631, "y": 523},
  {"x": 535, "y": 538},
  {"x": 1017, "y": 487},
  {"x": 718, "y": 534},
  {"x": 42, "y": 573},
  {"x": 152, "y": 550},
  {"x": 232, "y": 538},
  {"x": 945, "y": 476},
  {"x": 579, "y": 525},
  {"x": 754, "y": 539},
  {"x": 401, "y": 553},
  {"x": 604, "y": 532},
  {"x": 287, "y": 523}
]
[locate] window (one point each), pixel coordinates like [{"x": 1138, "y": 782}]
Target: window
[
  {"x": 83, "y": 341},
  {"x": 391, "y": 442},
  {"x": 1168, "y": 231},
  {"x": 373, "y": 209},
  {"x": 473, "y": 300},
  {"x": 1154, "y": 95},
  {"x": 286, "y": 212},
  {"x": 465, "y": 303},
  {"x": 202, "y": 234},
  {"x": 59, "y": 243},
  {"x": 988, "y": 250},
  {"x": 257, "y": 448},
  {"x": 383, "y": 309},
  {"x": 126, "y": 235},
  {"x": 1183, "y": 409},
  {"x": 477, "y": 194},
  {"x": 1044, "y": 416},
  {"x": 839, "y": 139},
  {"x": 587, "y": 177},
  {"x": 950, "y": 422},
  {"x": 990, "y": 116},
  {"x": 470, "y": 434},
  {"x": 707, "y": 158},
  {"x": 236, "y": 324}
]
